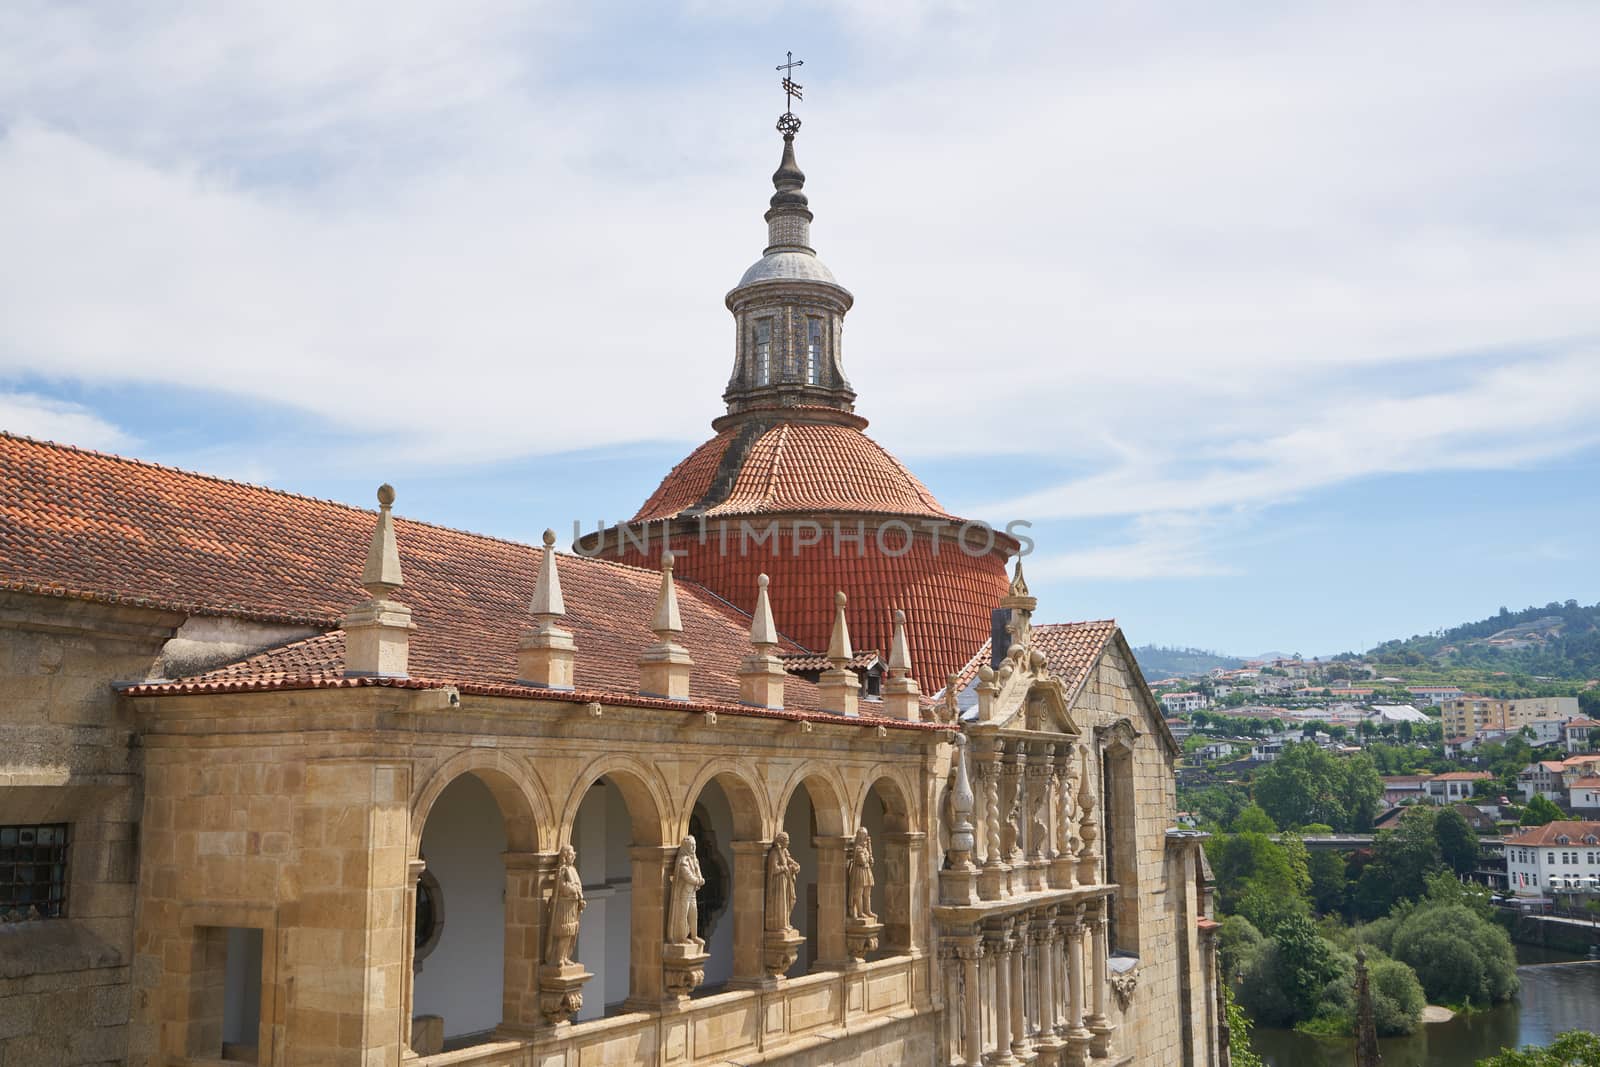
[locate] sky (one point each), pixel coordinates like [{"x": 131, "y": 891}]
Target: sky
[{"x": 1280, "y": 323}]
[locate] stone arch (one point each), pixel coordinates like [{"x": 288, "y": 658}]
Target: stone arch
[
  {"x": 642, "y": 791},
  {"x": 523, "y": 802},
  {"x": 827, "y": 792},
  {"x": 752, "y": 819},
  {"x": 884, "y": 809},
  {"x": 485, "y": 873},
  {"x": 898, "y": 813}
]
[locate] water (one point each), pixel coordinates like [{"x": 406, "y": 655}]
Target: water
[{"x": 1555, "y": 996}]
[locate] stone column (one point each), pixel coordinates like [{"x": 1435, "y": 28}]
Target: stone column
[
  {"x": 1078, "y": 1037},
  {"x": 1017, "y": 797},
  {"x": 997, "y": 942},
  {"x": 1099, "y": 1023},
  {"x": 1064, "y": 862},
  {"x": 992, "y": 882},
  {"x": 970, "y": 950},
  {"x": 1020, "y": 1046},
  {"x": 527, "y": 889},
  {"x": 647, "y": 928},
  {"x": 902, "y": 865},
  {"x": 749, "y": 911},
  {"x": 1037, "y": 801},
  {"x": 408, "y": 973},
  {"x": 831, "y": 895},
  {"x": 1049, "y": 1042}
]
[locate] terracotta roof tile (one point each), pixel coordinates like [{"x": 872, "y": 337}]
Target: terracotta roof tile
[
  {"x": 95, "y": 526},
  {"x": 1575, "y": 832},
  {"x": 798, "y": 467},
  {"x": 1070, "y": 648}
]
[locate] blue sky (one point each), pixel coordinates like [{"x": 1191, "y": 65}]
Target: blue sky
[{"x": 1281, "y": 326}]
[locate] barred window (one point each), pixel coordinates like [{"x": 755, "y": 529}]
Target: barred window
[{"x": 33, "y": 872}]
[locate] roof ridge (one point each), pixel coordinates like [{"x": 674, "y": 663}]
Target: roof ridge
[{"x": 768, "y": 491}]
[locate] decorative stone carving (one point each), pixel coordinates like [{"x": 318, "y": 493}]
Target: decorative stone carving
[
  {"x": 1123, "y": 985},
  {"x": 683, "y": 917},
  {"x": 860, "y": 878},
  {"x": 1088, "y": 832},
  {"x": 862, "y": 928},
  {"x": 560, "y": 978},
  {"x": 684, "y": 956},
  {"x": 566, "y": 905},
  {"x": 781, "y": 941}
]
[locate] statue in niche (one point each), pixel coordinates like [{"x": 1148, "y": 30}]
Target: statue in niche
[
  {"x": 859, "y": 878},
  {"x": 566, "y": 905},
  {"x": 1039, "y": 831},
  {"x": 683, "y": 918},
  {"x": 781, "y": 872},
  {"x": 1011, "y": 839}
]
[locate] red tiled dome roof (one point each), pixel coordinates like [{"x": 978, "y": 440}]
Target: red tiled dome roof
[{"x": 761, "y": 467}]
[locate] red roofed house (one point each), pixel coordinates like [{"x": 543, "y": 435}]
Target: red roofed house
[
  {"x": 1554, "y": 858},
  {"x": 292, "y": 782}
]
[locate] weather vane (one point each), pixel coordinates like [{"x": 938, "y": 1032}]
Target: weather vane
[{"x": 788, "y": 124}]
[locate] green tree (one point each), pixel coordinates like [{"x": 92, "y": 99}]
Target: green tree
[
  {"x": 1541, "y": 810},
  {"x": 1240, "y": 1054},
  {"x": 1285, "y": 982},
  {"x": 1328, "y": 881},
  {"x": 1238, "y": 941},
  {"x": 1252, "y": 820},
  {"x": 1402, "y": 859},
  {"x": 1459, "y": 956},
  {"x": 1307, "y": 785},
  {"x": 1575, "y": 1048},
  {"x": 1458, "y": 842}
]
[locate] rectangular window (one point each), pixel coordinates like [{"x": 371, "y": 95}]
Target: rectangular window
[
  {"x": 763, "y": 353},
  {"x": 33, "y": 872},
  {"x": 814, "y": 352}
]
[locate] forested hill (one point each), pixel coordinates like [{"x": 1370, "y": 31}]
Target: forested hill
[
  {"x": 1559, "y": 640},
  {"x": 1157, "y": 661}
]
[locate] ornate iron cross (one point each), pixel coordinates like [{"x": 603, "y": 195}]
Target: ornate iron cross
[{"x": 791, "y": 88}]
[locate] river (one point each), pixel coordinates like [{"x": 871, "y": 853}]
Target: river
[{"x": 1555, "y": 996}]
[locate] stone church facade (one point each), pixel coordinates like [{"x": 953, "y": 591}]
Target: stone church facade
[{"x": 291, "y": 782}]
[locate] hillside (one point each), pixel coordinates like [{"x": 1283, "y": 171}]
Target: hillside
[
  {"x": 1557, "y": 641},
  {"x": 1157, "y": 661}
]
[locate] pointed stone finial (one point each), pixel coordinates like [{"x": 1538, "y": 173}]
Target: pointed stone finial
[
  {"x": 839, "y": 689},
  {"x": 667, "y": 619},
  {"x": 547, "y": 602},
  {"x": 382, "y": 574},
  {"x": 546, "y": 653},
  {"x": 962, "y": 803},
  {"x": 377, "y": 634},
  {"x": 664, "y": 669},
  {"x": 902, "y": 697},
  {"x": 761, "y": 674},
  {"x": 839, "y": 651},
  {"x": 763, "y": 631}
]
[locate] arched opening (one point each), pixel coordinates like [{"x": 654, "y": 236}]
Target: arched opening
[
  {"x": 459, "y": 972},
  {"x": 813, "y": 821},
  {"x": 616, "y": 833},
  {"x": 727, "y": 819},
  {"x": 886, "y": 818}
]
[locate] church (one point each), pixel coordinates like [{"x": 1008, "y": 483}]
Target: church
[{"x": 782, "y": 771}]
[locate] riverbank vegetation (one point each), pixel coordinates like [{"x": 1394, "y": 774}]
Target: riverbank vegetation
[{"x": 1293, "y": 920}]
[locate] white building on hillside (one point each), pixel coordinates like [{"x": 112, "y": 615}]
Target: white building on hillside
[
  {"x": 1559, "y": 857},
  {"x": 1183, "y": 703}
]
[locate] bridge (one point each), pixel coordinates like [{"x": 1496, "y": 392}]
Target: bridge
[{"x": 1355, "y": 842}]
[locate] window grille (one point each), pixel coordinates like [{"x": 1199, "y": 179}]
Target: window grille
[{"x": 33, "y": 872}]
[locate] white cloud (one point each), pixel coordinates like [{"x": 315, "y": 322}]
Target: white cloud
[
  {"x": 48, "y": 419},
  {"x": 1163, "y": 545},
  {"x": 1190, "y": 251}
]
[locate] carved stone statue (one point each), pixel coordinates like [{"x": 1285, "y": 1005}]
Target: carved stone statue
[
  {"x": 860, "y": 879},
  {"x": 683, "y": 918},
  {"x": 566, "y": 905},
  {"x": 781, "y": 872}
]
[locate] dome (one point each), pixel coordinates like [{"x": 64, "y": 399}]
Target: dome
[
  {"x": 787, "y": 266},
  {"x": 756, "y": 468}
]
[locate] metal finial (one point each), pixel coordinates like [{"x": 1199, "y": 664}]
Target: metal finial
[{"x": 788, "y": 123}]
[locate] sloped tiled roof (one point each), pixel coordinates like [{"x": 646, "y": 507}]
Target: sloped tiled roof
[
  {"x": 1547, "y": 834},
  {"x": 807, "y": 467},
  {"x": 1070, "y": 649},
  {"x": 99, "y": 527}
]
